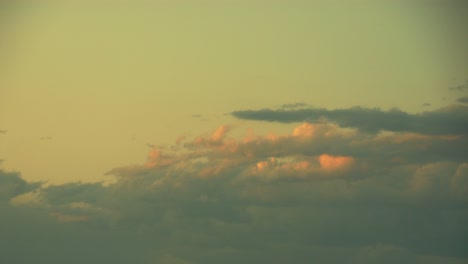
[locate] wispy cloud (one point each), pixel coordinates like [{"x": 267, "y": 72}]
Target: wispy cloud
[
  {"x": 459, "y": 87},
  {"x": 293, "y": 106}
]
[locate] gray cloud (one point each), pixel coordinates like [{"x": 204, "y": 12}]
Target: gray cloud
[
  {"x": 11, "y": 185},
  {"x": 463, "y": 100},
  {"x": 321, "y": 193},
  {"x": 450, "y": 120}
]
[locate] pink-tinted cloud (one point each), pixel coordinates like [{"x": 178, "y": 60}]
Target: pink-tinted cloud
[{"x": 329, "y": 162}]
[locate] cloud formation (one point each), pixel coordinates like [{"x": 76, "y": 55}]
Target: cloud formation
[
  {"x": 463, "y": 100},
  {"x": 449, "y": 120},
  {"x": 322, "y": 193}
]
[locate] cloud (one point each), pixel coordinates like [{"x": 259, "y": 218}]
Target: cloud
[
  {"x": 322, "y": 192},
  {"x": 293, "y": 106},
  {"x": 69, "y": 218},
  {"x": 12, "y": 185},
  {"x": 449, "y": 120},
  {"x": 329, "y": 162},
  {"x": 459, "y": 87},
  {"x": 463, "y": 100}
]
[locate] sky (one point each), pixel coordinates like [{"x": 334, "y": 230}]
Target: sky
[{"x": 234, "y": 131}]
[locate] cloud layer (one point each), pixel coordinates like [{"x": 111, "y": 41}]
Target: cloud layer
[
  {"x": 449, "y": 120},
  {"x": 323, "y": 193}
]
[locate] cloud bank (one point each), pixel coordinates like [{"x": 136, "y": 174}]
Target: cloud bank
[
  {"x": 323, "y": 193},
  {"x": 449, "y": 120}
]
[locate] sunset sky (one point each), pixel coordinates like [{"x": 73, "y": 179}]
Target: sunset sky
[{"x": 234, "y": 131}]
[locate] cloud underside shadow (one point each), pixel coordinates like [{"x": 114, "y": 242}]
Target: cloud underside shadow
[{"x": 322, "y": 193}]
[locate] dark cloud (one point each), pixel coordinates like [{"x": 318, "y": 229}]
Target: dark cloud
[
  {"x": 11, "y": 185},
  {"x": 450, "y": 120},
  {"x": 463, "y": 100},
  {"x": 3, "y": 131},
  {"x": 427, "y": 104},
  {"x": 321, "y": 193}
]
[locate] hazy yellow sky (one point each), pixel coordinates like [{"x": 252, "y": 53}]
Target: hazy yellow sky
[
  {"x": 234, "y": 131},
  {"x": 99, "y": 80}
]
